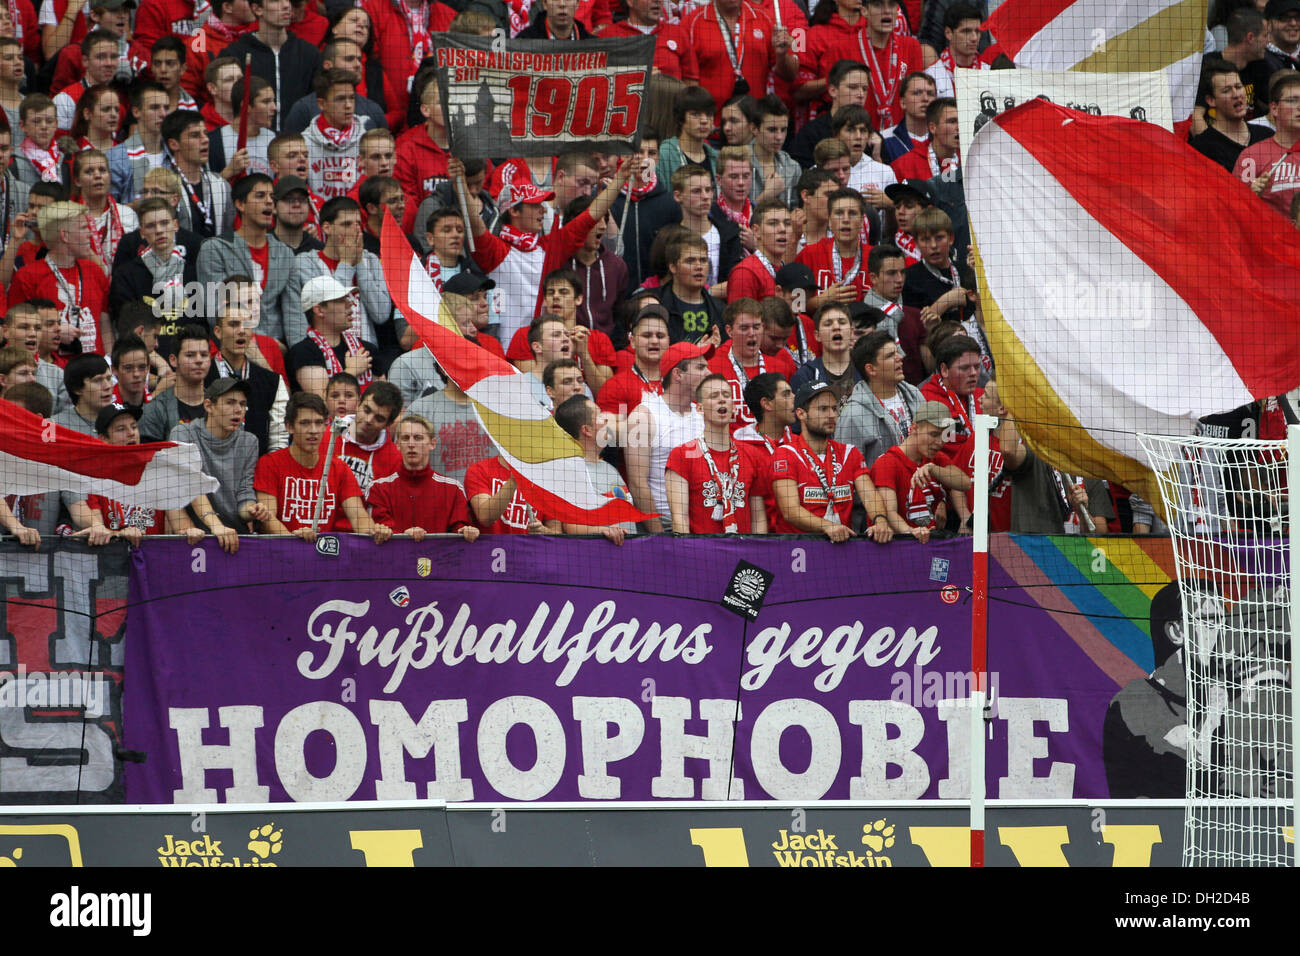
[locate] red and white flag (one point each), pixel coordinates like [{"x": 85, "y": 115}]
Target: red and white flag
[
  {"x": 1102, "y": 36},
  {"x": 546, "y": 462},
  {"x": 38, "y": 456},
  {"x": 1124, "y": 295}
]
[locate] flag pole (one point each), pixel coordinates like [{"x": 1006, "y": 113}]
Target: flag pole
[
  {"x": 337, "y": 427},
  {"x": 242, "y": 141},
  {"x": 984, "y": 425},
  {"x": 464, "y": 212}
]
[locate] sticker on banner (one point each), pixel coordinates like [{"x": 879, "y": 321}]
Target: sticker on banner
[
  {"x": 938, "y": 569},
  {"x": 950, "y": 594},
  {"x": 423, "y": 566},
  {"x": 747, "y": 589},
  {"x": 400, "y": 596},
  {"x": 328, "y": 544}
]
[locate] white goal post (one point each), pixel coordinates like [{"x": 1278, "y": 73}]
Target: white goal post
[{"x": 1227, "y": 503}]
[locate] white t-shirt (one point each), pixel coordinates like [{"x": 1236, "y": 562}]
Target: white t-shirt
[
  {"x": 714, "y": 242},
  {"x": 47, "y": 15},
  {"x": 869, "y": 174}
]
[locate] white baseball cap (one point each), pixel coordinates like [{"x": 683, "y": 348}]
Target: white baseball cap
[{"x": 322, "y": 289}]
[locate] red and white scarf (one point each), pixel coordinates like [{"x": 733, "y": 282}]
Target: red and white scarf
[
  {"x": 417, "y": 25},
  {"x": 518, "y": 239},
  {"x": 223, "y": 31},
  {"x": 739, "y": 216},
  {"x": 434, "y": 268},
  {"x": 950, "y": 64},
  {"x": 520, "y": 11},
  {"x": 339, "y": 137},
  {"x": 332, "y": 363},
  {"x": 883, "y": 81},
  {"x": 16, "y": 20},
  {"x": 907, "y": 246},
  {"x": 936, "y": 166},
  {"x": 104, "y": 239},
  {"x": 46, "y": 161},
  {"x": 640, "y": 192}
]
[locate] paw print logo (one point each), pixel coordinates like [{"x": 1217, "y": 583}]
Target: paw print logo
[
  {"x": 8, "y": 861},
  {"x": 265, "y": 842},
  {"x": 878, "y": 836}
]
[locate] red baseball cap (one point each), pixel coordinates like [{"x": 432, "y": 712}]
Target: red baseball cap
[
  {"x": 515, "y": 194},
  {"x": 676, "y": 354}
]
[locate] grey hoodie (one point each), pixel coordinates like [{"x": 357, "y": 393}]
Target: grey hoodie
[
  {"x": 867, "y": 425},
  {"x": 230, "y": 460}
]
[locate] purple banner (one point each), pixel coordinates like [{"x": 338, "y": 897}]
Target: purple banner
[{"x": 527, "y": 668}]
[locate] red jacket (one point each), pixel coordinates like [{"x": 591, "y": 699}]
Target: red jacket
[
  {"x": 311, "y": 28},
  {"x": 418, "y": 499},
  {"x": 203, "y": 49},
  {"x": 421, "y": 165},
  {"x": 156, "y": 19}
]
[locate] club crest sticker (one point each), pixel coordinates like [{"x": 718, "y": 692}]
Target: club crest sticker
[{"x": 746, "y": 590}]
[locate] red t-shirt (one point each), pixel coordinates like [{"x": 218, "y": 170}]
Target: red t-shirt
[
  {"x": 749, "y": 279},
  {"x": 418, "y": 499},
  {"x": 917, "y": 506},
  {"x": 999, "y": 481},
  {"x": 598, "y": 344},
  {"x": 753, "y": 49},
  {"x": 820, "y": 258},
  {"x": 722, "y": 364},
  {"x": 261, "y": 262},
  {"x": 840, "y": 466},
  {"x": 370, "y": 464},
  {"x": 625, "y": 390},
  {"x": 673, "y": 55},
  {"x": 117, "y": 516},
  {"x": 706, "y": 515},
  {"x": 88, "y": 287},
  {"x": 1267, "y": 156},
  {"x": 765, "y": 448},
  {"x": 487, "y": 477},
  {"x": 295, "y": 489}
]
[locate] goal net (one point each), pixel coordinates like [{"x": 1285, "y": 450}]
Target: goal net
[{"x": 1227, "y": 507}]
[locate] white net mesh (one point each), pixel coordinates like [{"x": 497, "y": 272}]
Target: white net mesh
[{"x": 1226, "y": 503}]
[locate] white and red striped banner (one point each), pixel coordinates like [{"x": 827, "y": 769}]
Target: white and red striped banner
[
  {"x": 37, "y": 456},
  {"x": 1124, "y": 296},
  {"x": 546, "y": 462},
  {"x": 1102, "y": 36}
]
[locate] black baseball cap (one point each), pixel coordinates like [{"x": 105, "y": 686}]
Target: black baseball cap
[
  {"x": 467, "y": 283},
  {"x": 289, "y": 184},
  {"x": 220, "y": 386},
  {"x": 916, "y": 189},
  {"x": 795, "y": 275},
  {"x": 864, "y": 316},
  {"x": 109, "y": 413},
  {"x": 808, "y": 392},
  {"x": 1276, "y": 9}
]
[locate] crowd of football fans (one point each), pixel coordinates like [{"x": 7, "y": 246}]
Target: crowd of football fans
[{"x": 764, "y": 320}]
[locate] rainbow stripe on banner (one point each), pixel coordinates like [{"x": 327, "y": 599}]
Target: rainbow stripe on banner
[{"x": 1098, "y": 590}]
